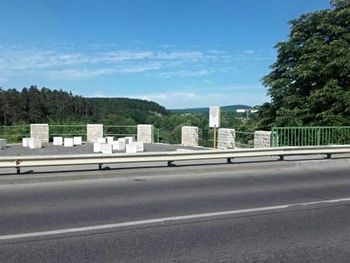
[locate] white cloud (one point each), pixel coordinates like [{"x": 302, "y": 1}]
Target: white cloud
[{"x": 191, "y": 98}]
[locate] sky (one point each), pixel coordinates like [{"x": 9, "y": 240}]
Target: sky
[{"x": 179, "y": 53}]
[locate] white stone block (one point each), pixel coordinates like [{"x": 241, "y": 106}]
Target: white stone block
[
  {"x": 101, "y": 140},
  {"x": 97, "y": 147},
  {"x": 106, "y": 148},
  {"x": 40, "y": 131},
  {"x": 94, "y": 131},
  {"x": 145, "y": 133},
  {"x": 2, "y": 144},
  {"x": 25, "y": 142},
  {"x": 139, "y": 146},
  {"x": 110, "y": 139},
  {"x": 57, "y": 141},
  {"x": 119, "y": 145},
  {"x": 68, "y": 142},
  {"x": 35, "y": 143},
  {"x": 131, "y": 148},
  {"x": 78, "y": 140}
]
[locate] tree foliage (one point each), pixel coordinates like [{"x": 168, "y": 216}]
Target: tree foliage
[
  {"x": 310, "y": 81},
  {"x": 33, "y": 105}
]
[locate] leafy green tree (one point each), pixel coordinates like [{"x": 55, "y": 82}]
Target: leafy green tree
[{"x": 310, "y": 82}]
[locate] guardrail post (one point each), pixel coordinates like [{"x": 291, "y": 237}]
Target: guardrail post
[
  {"x": 281, "y": 158},
  {"x": 229, "y": 160},
  {"x": 329, "y": 156},
  {"x": 171, "y": 164}
]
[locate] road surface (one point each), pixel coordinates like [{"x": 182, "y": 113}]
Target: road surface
[{"x": 292, "y": 211}]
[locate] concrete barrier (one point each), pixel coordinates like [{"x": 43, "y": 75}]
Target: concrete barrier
[{"x": 2, "y": 144}]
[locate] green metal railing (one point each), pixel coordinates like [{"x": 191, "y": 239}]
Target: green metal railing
[
  {"x": 244, "y": 139},
  {"x": 118, "y": 131},
  {"x": 67, "y": 131},
  {"x": 310, "y": 136}
]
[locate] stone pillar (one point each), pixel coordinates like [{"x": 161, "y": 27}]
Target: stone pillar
[
  {"x": 189, "y": 136},
  {"x": 262, "y": 139},
  {"x": 40, "y": 132},
  {"x": 94, "y": 131},
  {"x": 226, "y": 138},
  {"x": 145, "y": 133}
]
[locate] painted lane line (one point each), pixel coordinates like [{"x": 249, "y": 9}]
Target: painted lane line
[{"x": 167, "y": 219}]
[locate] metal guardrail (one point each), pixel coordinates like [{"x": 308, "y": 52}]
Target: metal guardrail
[
  {"x": 100, "y": 159},
  {"x": 310, "y": 136}
]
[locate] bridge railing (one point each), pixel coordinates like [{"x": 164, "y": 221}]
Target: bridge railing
[
  {"x": 67, "y": 131},
  {"x": 310, "y": 136}
]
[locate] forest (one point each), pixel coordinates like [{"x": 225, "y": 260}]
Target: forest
[{"x": 57, "y": 107}]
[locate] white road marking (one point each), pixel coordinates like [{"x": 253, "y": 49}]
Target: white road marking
[{"x": 166, "y": 219}]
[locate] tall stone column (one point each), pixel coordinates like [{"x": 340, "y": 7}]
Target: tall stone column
[
  {"x": 145, "y": 133},
  {"x": 262, "y": 139},
  {"x": 189, "y": 136},
  {"x": 94, "y": 131},
  {"x": 40, "y": 132},
  {"x": 226, "y": 138}
]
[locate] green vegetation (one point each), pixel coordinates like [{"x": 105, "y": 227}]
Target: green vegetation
[
  {"x": 66, "y": 113},
  {"x": 35, "y": 105},
  {"x": 310, "y": 82}
]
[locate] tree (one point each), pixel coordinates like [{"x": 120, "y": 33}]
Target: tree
[{"x": 310, "y": 81}]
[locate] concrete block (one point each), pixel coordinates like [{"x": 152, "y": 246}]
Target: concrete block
[
  {"x": 94, "y": 131},
  {"x": 97, "y": 147},
  {"x": 145, "y": 133},
  {"x": 101, "y": 140},
  {"x": 110, "y": 139},
  {"x": 68, "y": 142},
  {"x": 106, "y": 148},
  {"x": 131, "y": 148},
  {"x": 119, "y": 145},
  {"x": 40, "y": 132},
  {"x": 139, "y": 146},
  {"x": 78, "y": 140},
  {"x": 3, "y": 144},
  {"x": 189, "y": 136},
  {"x": 35, "y": 143},
  {"x": 226, "y": 138},
  {"x": 25, "y": 142},
  {"x": 57, "y": 141}
]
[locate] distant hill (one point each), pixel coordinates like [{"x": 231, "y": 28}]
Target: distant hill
[{"x": 206, "y": 109}]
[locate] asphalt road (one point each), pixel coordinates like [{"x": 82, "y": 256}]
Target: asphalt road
[{"x": 293, "y": 211}]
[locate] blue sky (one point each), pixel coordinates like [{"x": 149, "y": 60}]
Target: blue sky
[{"x": 180, "y": 53}]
